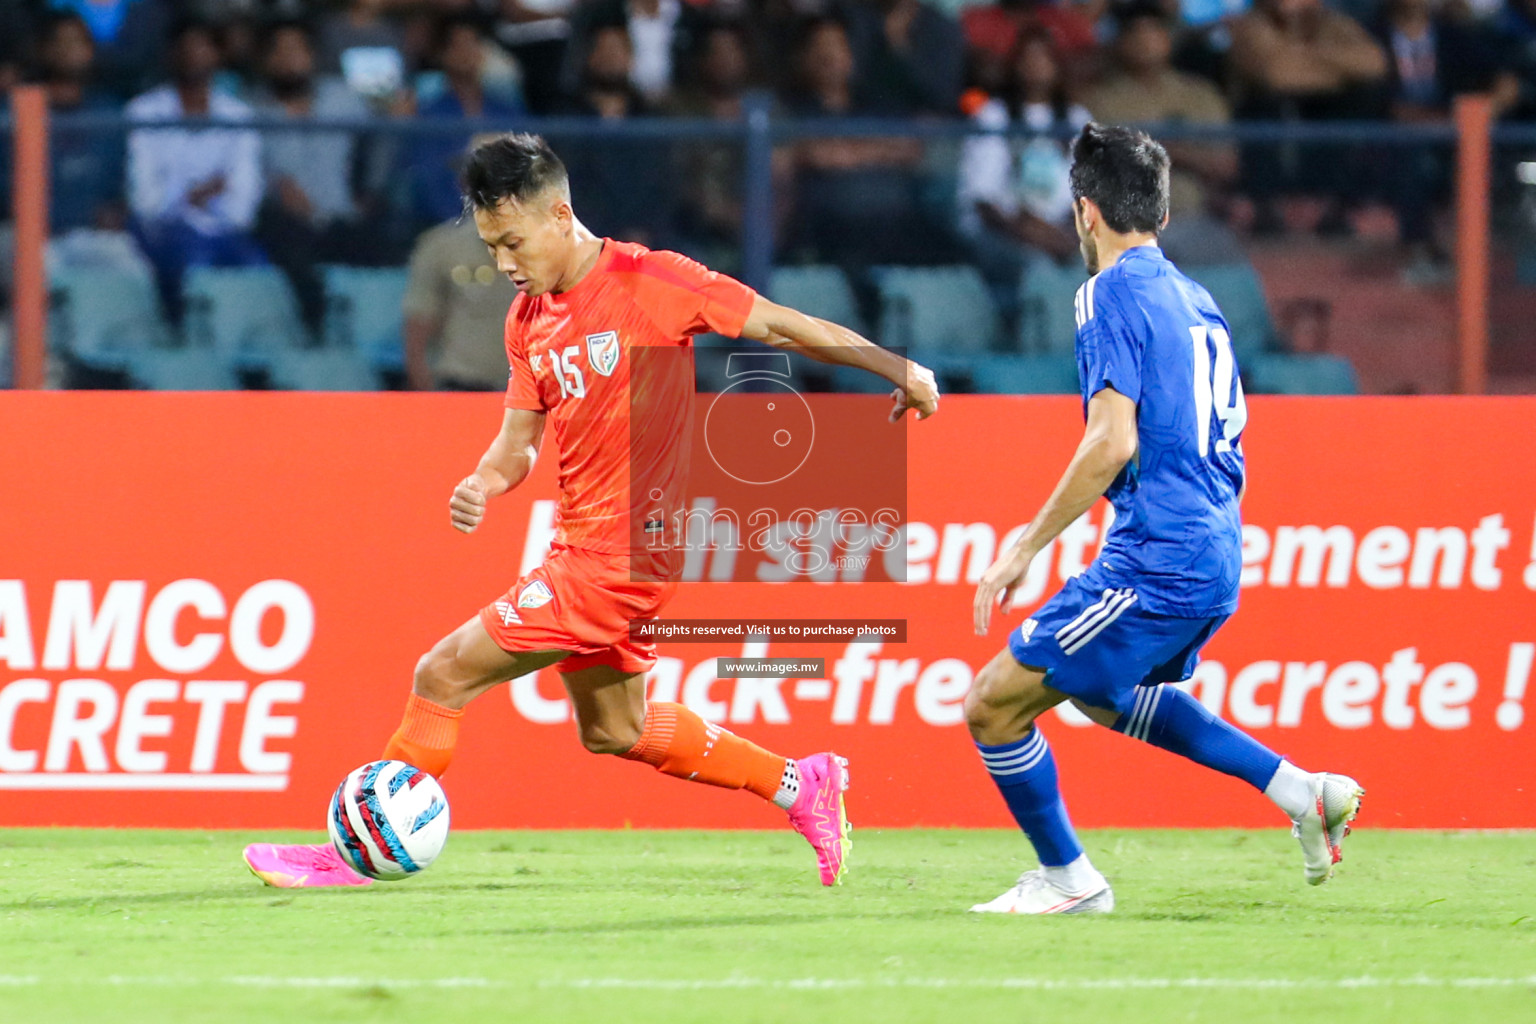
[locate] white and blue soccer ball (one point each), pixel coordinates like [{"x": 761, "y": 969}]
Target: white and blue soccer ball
[{"x": 388, "y": 819}]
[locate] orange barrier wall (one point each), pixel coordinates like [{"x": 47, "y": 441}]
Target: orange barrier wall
[{"x": 210, "y": 606}]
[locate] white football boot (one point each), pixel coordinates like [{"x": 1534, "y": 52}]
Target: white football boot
[
  {"x": 1036, "y": 894},
  {"x": 1322, "y": 828}
]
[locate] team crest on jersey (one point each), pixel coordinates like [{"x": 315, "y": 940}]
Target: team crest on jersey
[
  {"x": 603, "y": 352},
  {"x": 535, "y": 595},
  {"x": 507, "y": 613}
]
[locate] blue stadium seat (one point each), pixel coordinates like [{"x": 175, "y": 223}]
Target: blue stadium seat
[
  {"x": 1240, "y": 294},
  {"x": 328, "y": 368},
  {"x": 181, "y": 369},
  {"x": 1053, "y": 373},
  {"x": 104, "y": 317},
  {"x": 246, "y": 315},
  {"x": 1282, "y": 374},
  {"x": 1047, "y": 306},
  {"x": 821, "y": 291},
  {"x": 935, "y": 309},
  {"x": 365, "y": 312}
]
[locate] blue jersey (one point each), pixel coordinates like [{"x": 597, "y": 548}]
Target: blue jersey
[{"x": 1155, "y": 336}]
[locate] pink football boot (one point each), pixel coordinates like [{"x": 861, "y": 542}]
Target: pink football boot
[
  {"x": 300, "y": 867},
  {"x": 818, "y": 813}
]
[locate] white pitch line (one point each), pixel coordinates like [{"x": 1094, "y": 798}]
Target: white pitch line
[{"x": 789, "y": 984}]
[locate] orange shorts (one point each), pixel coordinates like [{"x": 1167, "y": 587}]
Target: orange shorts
[{"x": 579, "y": 601}]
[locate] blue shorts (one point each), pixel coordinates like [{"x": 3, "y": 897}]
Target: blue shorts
[{"x": 1097, "y": 644}]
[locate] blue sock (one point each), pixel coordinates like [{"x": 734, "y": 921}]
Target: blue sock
[
  {"x": 1167, "y": 717},
  {"x": 1025, "y": 773}
]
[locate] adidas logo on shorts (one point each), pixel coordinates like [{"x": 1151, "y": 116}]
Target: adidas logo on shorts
[{"x": 507, "y": 612}]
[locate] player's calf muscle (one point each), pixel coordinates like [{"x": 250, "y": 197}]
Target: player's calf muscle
[
  {"x": 609, "y": 706},
  {"x": 608, "y": 736}
]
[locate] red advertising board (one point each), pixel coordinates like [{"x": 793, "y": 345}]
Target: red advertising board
[{"x": 211, "y": 605}]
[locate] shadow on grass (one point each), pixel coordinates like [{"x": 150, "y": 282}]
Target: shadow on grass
[{"x": 187, "y": 897}]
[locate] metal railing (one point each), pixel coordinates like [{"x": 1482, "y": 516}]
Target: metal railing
[{"x": 758, "y": 133}]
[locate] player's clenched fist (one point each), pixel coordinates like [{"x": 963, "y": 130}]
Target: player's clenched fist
[
  {"x": 467, "y": 506},
  {"x": 921, "y": 393}
]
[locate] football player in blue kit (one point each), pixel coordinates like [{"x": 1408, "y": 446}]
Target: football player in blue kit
[{"x": 1165, "y": 416}]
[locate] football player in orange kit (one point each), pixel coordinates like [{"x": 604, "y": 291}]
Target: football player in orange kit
[{"x": 586, "y": 306}]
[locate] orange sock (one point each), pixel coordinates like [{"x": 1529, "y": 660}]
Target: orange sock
[
  {"x": 427, "y": 735},
  {"x": 678, "y": 742}
]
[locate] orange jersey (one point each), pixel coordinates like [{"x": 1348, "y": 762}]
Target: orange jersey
[{"x": 621, "y": 416}]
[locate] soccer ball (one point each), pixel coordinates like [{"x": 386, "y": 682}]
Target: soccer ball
[{"x": 388, "y": 819}]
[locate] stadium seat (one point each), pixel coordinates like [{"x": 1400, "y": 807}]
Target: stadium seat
[
  {"x": 328, "y": 368},
  {"x": 105, "y": 316},
  {"x": 935, "y": 309},
  {"x": 1047, "y": 374},
  {"x": 1047, "y": 306},
  {"x": 1238, "y": 291},
  {"x": 1052, "y": 373},
  {"x": 181, "y": 369},
  {"x": 821, "y": 291},
  {"x": 364, "y": 312},
  {"x": 246, "y": 315},
  {"x": 1281, "y": 374}
]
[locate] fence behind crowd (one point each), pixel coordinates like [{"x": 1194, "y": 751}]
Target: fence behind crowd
[
  {"x": 1349, "y": 256},
  {"x": 221, "y": 617}
]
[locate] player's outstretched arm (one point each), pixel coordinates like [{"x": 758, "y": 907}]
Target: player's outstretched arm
[
  {"x": 505, "y": 464},
  {"x": 827, "y": 342},
  {"x": 1108, "y": 443}
]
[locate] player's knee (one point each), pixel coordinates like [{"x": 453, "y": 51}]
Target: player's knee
[
  {"x": 996, "y": 708},
  {"x": 609, "y": 737},
  {"x": 982, "y": 713}
]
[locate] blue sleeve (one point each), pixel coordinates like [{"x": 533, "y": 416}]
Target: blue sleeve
[{"x": 1109, "y": 351}]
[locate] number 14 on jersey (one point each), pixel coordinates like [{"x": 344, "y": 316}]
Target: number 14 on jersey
[{"x": 1217, "y": 386}]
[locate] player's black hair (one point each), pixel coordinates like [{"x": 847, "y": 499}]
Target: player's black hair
[
  {"x": 1125, "y": 173},
  {"x": 515, "y": 166}
]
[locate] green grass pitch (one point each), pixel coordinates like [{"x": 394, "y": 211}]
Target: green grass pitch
[{"x": 675, "y": 927}]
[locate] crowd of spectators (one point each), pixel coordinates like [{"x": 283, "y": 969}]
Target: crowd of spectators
[{"x": 233, "y": 195}]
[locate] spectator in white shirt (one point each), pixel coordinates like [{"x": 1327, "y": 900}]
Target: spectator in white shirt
[
  {"x": 193, "y": 192},
  {"x": 658, "y": 30},
  {"x": 1015, "y": 198}
]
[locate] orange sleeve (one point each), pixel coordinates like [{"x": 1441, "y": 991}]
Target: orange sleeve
[
  {"x": 522, "y": 389},
  {"x": 687, "y": 298}
]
